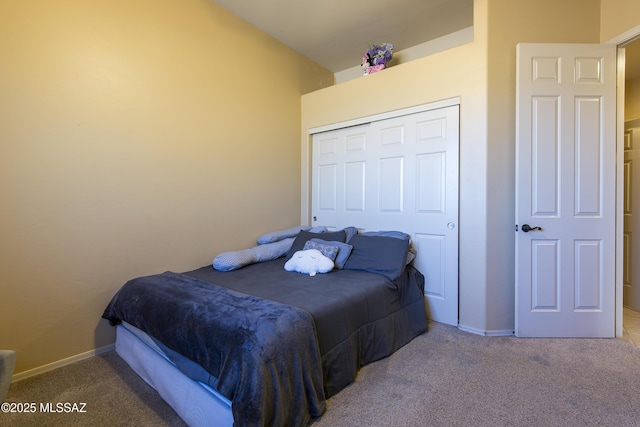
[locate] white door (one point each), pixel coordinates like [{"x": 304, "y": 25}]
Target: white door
[
  {"x": 631, "y": 206},
  {"x": 400, "y": 174},
  {"x": 565, "y": 190}
]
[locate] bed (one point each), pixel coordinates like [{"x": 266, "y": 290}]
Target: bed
[{"x": 261, "y": 345}]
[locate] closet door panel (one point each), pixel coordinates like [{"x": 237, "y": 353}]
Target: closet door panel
[{"x": 400, "y": 173}]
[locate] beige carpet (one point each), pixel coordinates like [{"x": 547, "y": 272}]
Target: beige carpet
[{"x": 445, "y": 377}]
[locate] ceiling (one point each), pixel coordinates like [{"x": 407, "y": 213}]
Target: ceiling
[{"x": 335, "y": 33}]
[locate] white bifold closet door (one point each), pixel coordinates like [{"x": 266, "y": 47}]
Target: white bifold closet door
[{"x": 399, "y": 173}]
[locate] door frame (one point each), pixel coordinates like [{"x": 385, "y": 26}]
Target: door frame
[
  {"x": 633, "y": 124},
  {"x": 620, "y": 42}
]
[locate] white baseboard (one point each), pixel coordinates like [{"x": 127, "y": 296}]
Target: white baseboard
[
  {"x": 60, "y": 363},
  {"x": 98, "y": 351},
  {"x": 497, "y": 333}
]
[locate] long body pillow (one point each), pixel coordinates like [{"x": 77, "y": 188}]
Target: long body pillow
[
  {"x": 276, "y": 236},
  {"x": 233, "y": 260}
]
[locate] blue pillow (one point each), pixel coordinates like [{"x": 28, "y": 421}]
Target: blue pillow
[
  {"x": 378, "y": 254},
  {"x": 344, "y": 250},
  {"x": 396, "y": 234},
  {"x": 350, "y": 232}
]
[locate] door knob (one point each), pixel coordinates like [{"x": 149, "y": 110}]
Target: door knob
[{"x": 527, "y": 228}]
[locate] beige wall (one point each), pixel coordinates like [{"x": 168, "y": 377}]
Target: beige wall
[
  {"x": 618, "y": 17},
  {"x": 135, "y": 137},
  {"x": 632, "y": 99}
]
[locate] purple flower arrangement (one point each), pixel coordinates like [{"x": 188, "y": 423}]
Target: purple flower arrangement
[{"x": 376, "y": 58}]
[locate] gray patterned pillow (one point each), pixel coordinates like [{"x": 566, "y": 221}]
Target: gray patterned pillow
[
  {"x": 344, "y": 250},
  {"x": 326, "y": 250}
]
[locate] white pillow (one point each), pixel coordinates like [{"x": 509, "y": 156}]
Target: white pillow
[{"x": 310, "y": 261}]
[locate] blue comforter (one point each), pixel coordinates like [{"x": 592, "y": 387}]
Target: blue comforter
[
  {"x": 264, "y": 354},
  {"x": 231, "y": 324}
]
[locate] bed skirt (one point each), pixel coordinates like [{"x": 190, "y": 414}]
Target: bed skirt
[{"x": 195, "y": 402}]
